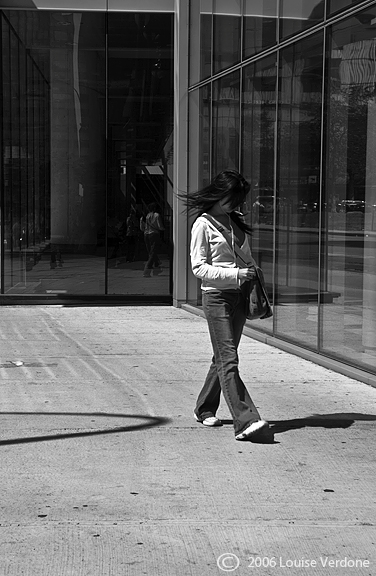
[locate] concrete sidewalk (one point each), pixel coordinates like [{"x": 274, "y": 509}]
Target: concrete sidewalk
[{"x": 105, "y": 473}]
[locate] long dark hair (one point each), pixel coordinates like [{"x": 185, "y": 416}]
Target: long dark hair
[{"x": 227, "y": 183}]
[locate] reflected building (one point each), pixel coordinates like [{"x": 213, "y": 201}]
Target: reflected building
[
  {"x": 110, "y": 105},
  {"x": 87, "y": 129}
]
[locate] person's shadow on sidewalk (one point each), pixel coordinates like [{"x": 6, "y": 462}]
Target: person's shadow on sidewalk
[{"x": 336, "y": 420}]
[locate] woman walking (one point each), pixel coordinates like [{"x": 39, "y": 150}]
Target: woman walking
[
  {"x": 152, "y": 226},
  {"x": 224, "y": 298}
]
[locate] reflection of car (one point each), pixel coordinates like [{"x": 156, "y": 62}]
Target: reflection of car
[
  {"x": 306, "y": 207},
  {"x": 264, "y": 204},
  {"x": 351, "y": 206},
  {"x": 263, "y": 207}
]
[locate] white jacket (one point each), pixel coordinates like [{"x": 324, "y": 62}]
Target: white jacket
[{"x": 212, "y": 259}]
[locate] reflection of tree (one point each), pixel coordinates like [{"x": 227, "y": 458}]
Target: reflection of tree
[
  {"x": 347, "y": 141},
  {"x": 299, "y": 125},
  {"x": 259, "y": 109}
]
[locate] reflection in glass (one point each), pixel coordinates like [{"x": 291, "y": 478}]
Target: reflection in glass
[
  {"x": 140, "y": 135},
  {"x": 200, "y": 39},
  {"x": 201, "y": 35},
  {"x": 199, "y": 137},
  {"x": 338, "y": 5},
  {"x": 348, "y": 323},
  {"x": 226, "y": 33},
  {"x": 298, "y": 190},
  {"x": 53, "y": 152},
  {"x": 226, "y": 112},
  {"x": 56, "y": 234},
  {"x": 260, "y": 26},
  {"x": 258, "y": 136},
  {"x": 298, "y": 15},
  {"x": 206, "y": 52},
  {"x": 199, "y": 160}
]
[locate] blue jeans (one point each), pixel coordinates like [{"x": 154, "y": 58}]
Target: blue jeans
[{"x": 225, "y": 312}]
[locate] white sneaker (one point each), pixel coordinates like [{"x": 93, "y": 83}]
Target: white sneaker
[
  {"x": 252, "y": 430},
  {"x": 210, "y": 421}
]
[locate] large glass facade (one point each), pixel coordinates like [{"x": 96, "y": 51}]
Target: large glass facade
[
  {"x": 348, "y": 324},
  {"x": 258, "y": 157},
  {"x": 300, "y": 123},
  {"x": 86, "y": 136},
  {"x": 298, "y": 189}
]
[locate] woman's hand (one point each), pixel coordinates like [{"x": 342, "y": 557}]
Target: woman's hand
[{"x": 246, "y": 274}]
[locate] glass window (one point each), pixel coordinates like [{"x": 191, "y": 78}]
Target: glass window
[
  {"x": 338, "y": 5},
  {"x": 258, "y": 137},
  {"x": 199, "y": 161},
  {"x": 199, "y": 137},
  {"x": 141, "y": 5},
  {"x": 260, "y": 26},
  {"x": 226, "y": 126},
  {"x": 54, "y": 152},
  {"x": 349, "y": 320},
  {"x": 298, "y": 15},
  {"x": 140, "y": 152},
  {"x": 7, "y": 216},
  {"x": 226, "y": 34},
  {"x": 200, "y": 39},
  {"x": 62, "y": 166},
  {"x": 55, "y": 4},
  {"x": 297, "y": 198}
]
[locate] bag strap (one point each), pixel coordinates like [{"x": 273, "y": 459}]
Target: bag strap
[{"x": 238, "y": 251}]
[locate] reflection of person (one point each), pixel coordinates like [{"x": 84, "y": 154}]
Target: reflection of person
[
  {"x": 152, "y": 226},
  {"x": 56, "y": 258},
  {"x": 131, "y": 235},
  {"x": 113, "y": 236},
  {"x": 224, "y": 288}
]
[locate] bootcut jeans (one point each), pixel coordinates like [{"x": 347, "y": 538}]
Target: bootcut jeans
[{"x": 225, "y": 312}]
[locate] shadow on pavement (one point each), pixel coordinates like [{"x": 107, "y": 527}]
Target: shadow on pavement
[
  {"x": 147, "y": 422},
  {"x": 340, "y": 420}
]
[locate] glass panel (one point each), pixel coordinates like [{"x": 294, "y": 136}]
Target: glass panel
[
  {"x": 226, "y": 34},
  {"x": 297, "y": 199},
  {"x": 141, "y": 5},
  {"x": 226, "y": 108},
  {"x": 338, "y": 5},
  {"x": 199, "y": 137},
  {"x": 298, "y": 15},
  {"x": 258, "y": 120},
  {"x": 260, "y": 25},
  {"x": 55, "y": 4},
  {"x": 349, "y": 321},
  {"x": 7, "y": 215},
  {"x": 54, "y": 153},
  {"x": 199, "y": 161},
  {"x": 200, "y": 39},
  {"x": 140, "y": 144}
]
